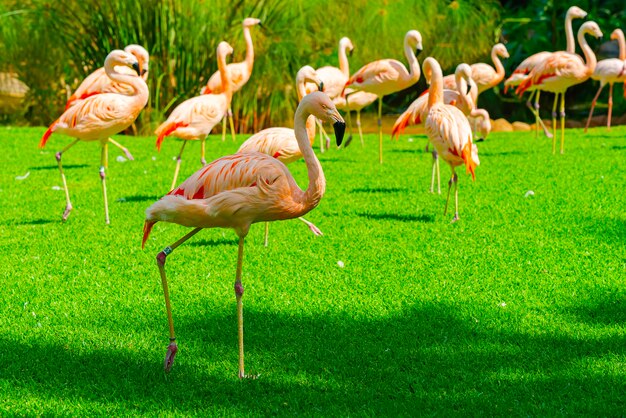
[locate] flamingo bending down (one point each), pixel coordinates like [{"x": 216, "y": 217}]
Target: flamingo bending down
[
  {"x": 610, "y": 71},
  {"x": 562, "y": 70},
  {"x": 238, "y": 190},
  {"x": 281, "y": 143},
  {"x": 449, "y": 131},
  {"x": 194, "y": 118},
  {"x": 522, "y": 70},
  {"x": 98, "y": 117},
  {"x": 354, "y": 100},
  {"x": 388, "y": 76},
  {"x": 240, "y": 73}
]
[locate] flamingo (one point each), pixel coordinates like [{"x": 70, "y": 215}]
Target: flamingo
[
  {"x": 354, "y": 100},
  {"x": 281, "y": 143},
  {"x": 388, "y": 76},
  {"x": 562, "y": 70},
  {"x": 449, "y": 131},
  {"x": 98, "y": 81},
  {"x": 522, "y": 70},
  {"x": 98, "y": 117},
  {"x": 194, "y": 118},
  {"x": 610, "y": 71},
  {"x": 240, "y": 73},
  {"x": 238, "y": 190},
  {"x": 417, "y": 112}
]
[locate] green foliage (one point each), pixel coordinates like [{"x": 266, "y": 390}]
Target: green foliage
[
  {"x": 515, "y": 310},
  {"x": 65, "y": 41}
]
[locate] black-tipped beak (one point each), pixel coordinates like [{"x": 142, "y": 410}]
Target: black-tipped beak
[
  {"x": 340, "y": 129},
  {"x": 468, "y": 89},
  {"x": 320, "y": 86},
  {"x": 350, "y": 52},
  {"x": 136, "y": 68},
  {"x": 143, "y": 71},
  {"x": 261, "y": 25},
  {"x": 418, "y": 51}
]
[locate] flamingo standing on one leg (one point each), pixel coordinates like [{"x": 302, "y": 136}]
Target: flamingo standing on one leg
[
  {"x": 610, "y": 71},
  {"x": 334, "y": 79},
  {"x": 240, "y": 73},
  {"x": 388, "y": 76},
  {"x": 98, "y": 117},
  {"x": 281, "y": 143},
  {"x": 522, "y": 70},
  {"x": 194, "y": 118},
  {"x": 562, "y": 70},
  {"x": 354, "y": 100},
  {"x": 238, "y": 190},
  {"x": 449, "y": 131}
]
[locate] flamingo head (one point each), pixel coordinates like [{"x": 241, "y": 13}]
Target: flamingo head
[
  {"x": 224, "y": 49},
  {"x": 251, "y": 21},
  {"x": 591, "y": 28},
  {"x": 464, "y": 72},
  {"x": 117, "y": 57},
  {"x": 322, "y": 107},
  {"x": 576, "y": 12},
  {"x": 501, "y": 50},
  {"x": 414, "y": 39},
  {"x": 346, "y": 43},
  {"x": 143, "y": 58},
  {"x": 616, "y": 34},
  {"x": 307, "y": 74}
]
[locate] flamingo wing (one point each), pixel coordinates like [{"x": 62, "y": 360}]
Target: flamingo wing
[
  {"x": 279, "y": 143},
  {"x": 483, "y": 74}
]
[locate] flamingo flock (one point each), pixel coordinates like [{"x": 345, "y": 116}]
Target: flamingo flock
[{"x": 254, "y": 185}]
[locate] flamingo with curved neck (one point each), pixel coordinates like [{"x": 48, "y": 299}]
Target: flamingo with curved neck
[
  {"x": 98, "y": 117},
  {"x": 560, "y": 71},
  {"x": 388, "y": 76},
  {"x": 238, "y": 190}
]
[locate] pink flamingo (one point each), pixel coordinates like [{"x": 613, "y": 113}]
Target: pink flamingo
[
  {"x": 562, "y": 70},
  {"x": 99, "y": 82},
  {"x": 449, "y": 131},
  {"x": 522, "y": 70},
  {"x": 194, "y": 118},
  {"x": 611, "y": 70},
  {"x": 281, "y": 143},
  {"x": 240, "y": 73},
  {"x": 98, "y": 117},
  {"x": 238, "y": 190},
  {"x": 388, "y": 76}
]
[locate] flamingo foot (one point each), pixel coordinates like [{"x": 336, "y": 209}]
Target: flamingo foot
[
  {"x": 172, "y": 349},
  {"x": 129, "y": 155},
  {"x": 315, "y": 230},
  {"x": 67, "y": 211},
  {"x": 456, "y": 218},
  {"x": 248, "y": 376},
  {"x": 203, "y": 161},
  {"x": 327, "y": 143}
]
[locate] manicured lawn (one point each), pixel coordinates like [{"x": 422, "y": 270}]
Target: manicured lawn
[{"x": 517, "y": 309}]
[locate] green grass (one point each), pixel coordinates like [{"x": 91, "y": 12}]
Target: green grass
[{"x": 517, "y": 309}]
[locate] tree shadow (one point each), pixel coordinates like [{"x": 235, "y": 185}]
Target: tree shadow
[
  {"x": 56, "y": 167},
  {"x": 398, "y": 217},
  {"x": 380, "y": 190},
  {"x": 427, "y": 357}
]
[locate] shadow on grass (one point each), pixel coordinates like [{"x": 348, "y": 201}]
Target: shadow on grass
[
  {"x": 606, "y": 229},
  {"x": 397, "y": 217},
  {"x": 214, "y": 242},
  {"x": 32, "y": 222},
  {"x": 380, "y": 190},
  {"x": 618, "y": 147},
  {"x": 56, "y": 167},
  {"x": 502, "y": 153},
  {"x": 138, "y": 198},
  {"x": 336, "y": 160},
  {"x": 409, "y": 151},
  {"x": 426, "y": 358}
]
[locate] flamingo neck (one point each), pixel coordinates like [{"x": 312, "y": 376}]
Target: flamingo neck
[
  {"x": 344, "y": 66},
  {"x": 414, "y": 65},
  {"x": 317, "y": 182},
  {"x": 499, "y": 68},
  {"x": 138, "y": 85},
  {"x": 622, "y": 45},
  {"x": 569, "y": 34},
  {"x": 227, "y": 87},
  {"x": 249, "y": 48},
  {"x": 590, "y": 57},
  {"x": 461, "y": 86},
  {"x": 435, "y": 93}
]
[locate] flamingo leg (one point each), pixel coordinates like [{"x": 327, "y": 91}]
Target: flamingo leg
[
  {"x": 323, "y": 135},
  {"x": 202, "y": 159},
  {"x": 224, "y": 122},
  {"x": 608, "y": 126},
  {"x": 161, "y": 258},
  {"x": 350, "y": 130},
  {"x": 239, "y": 294},
  {"x": 319, "y": 126},
  {"x": 123, "y": 148},
  {"x": 562, "y": 122},
  {"x": 358, "y": 125},
  {"x": 455, "y": 178},
  {"x": 445, "y": 210},
  {"x": 312, "y": 227},
  {"x": 267, "y": 232},
  {"x": 103, "y": 164},
  {"x": 380, "y": 129},
  {"x": 593, "y": 105},
  {"x": 68, "y": 204},
  {"x": 435, "y": 173},
  {"x": 232, "y": 123},
  {"x": 556, "y": 99},
  {"x": 178, "y": 160}
]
